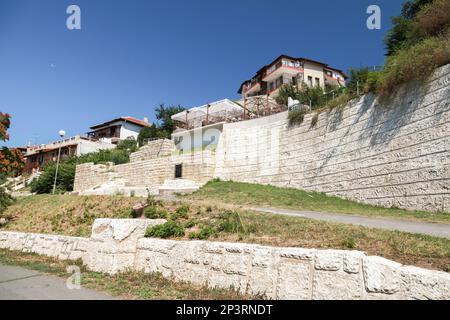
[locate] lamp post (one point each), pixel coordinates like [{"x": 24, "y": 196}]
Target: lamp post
[{"x": 62, "y": 133}]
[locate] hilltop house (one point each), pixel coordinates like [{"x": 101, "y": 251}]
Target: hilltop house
[
  {"x": 115, "y": 130},
  {"x": 290, "y": 70}
]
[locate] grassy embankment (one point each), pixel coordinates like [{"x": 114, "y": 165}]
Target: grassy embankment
[
  {"x": 255, "y": 195},
  {"x": 73, "y": 215}
]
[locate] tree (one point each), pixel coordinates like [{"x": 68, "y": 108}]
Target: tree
[
  {"x": 4, "y": 126},
  {"x": 11, "y": 160},
  {"x": 403, "y": 32},
  {"x": 152, "y": 132},
  {"x": 8, "y": 160},
  {"x": 164, "y": 114}
]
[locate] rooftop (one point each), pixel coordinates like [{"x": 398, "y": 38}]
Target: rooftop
[{"x": 126, "y": 119}]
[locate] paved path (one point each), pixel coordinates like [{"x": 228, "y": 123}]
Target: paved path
[
  {"x": 17, "y": 283},
  {"x": 430, "y": 228}
]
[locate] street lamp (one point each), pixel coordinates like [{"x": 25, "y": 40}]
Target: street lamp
[{"x": 62, "y": 133}]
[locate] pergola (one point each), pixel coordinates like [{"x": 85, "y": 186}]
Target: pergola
[{"x": 220, "y": 111}]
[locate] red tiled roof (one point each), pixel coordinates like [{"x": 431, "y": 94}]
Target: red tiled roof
[{"x": 129, "y": 119}]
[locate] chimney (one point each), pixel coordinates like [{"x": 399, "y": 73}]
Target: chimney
[{"x": 145, "y": 119}]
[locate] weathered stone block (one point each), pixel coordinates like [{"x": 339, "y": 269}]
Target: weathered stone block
[
  {"x": 381, "y": 275},
  {"x": 294, "y": 280},
  {"x": 330, "y": 260},
  {"x": 337, "y": 285},
  {"x": 417, "y": 283}
]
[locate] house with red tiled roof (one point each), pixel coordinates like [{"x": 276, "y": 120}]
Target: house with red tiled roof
[{"x": 118, "y": 129}]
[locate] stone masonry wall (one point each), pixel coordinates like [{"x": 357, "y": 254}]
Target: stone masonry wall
[
  {"x": 395, "y": 154},
  {"x": 198, "y": 167},
  {"x": 118, "y": 245},
  {"x": 154, "y": 149}
]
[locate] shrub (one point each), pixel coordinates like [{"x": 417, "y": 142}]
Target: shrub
[
  {"x": 314, "y": 119},
  {"x": 433, "y": 19},
  {"x": 230, "y": 222},
  {"x": 203, "y": 234},
  {"x": 414, "y": 63},
  {"x": 349, "y": 243},
  {"x": 153, "y": 212},
  {"x": 64, "y": 182},
  {"x": 166, "y": 230},
  {"x": 295, "y": 117},
  {"x": 181, "y": 212},
  {"x": 190, "y": 223},
  {"x": 5, "y": 200}
]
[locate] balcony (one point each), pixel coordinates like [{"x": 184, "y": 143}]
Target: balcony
[
  {"x": 288, "y": 67},
  {"x": 252, "y": 88}
]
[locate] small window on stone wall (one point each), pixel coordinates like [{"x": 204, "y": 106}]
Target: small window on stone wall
[{"x": 178, "y": 171}]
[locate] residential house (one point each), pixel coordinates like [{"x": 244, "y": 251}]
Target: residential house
[
  {"x": 118, "y": 129},
  {"x": 290, "y": 70},
  {"x": 39, "y": 155}
]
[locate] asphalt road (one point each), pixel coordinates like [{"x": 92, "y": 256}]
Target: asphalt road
[
  {"x": 430, "y": 228},
  {"x": 17, "y": 283}
]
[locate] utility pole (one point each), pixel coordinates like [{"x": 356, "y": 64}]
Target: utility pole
[{"x": 62, "y": 133}]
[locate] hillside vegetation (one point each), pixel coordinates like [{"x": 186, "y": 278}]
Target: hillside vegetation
[
  {"x": 249, "y": 194},
  {"x": 74, "y": 215}
]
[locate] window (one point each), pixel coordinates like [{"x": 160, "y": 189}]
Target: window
[
  {"x": 310, "y": 81},
  {"x": 294, "y": 80},
  {"x": 318, "y": 82},
  {"x": 178, "y": 170}
]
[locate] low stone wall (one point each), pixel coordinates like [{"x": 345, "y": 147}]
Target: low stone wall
[
  {"x": 61, "y": 247},
  {"x": 154, "y": 149},
  {"x": 198, "y": 167},
  {"x": 118, "y": 245}
]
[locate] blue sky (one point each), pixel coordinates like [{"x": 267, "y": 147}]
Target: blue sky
[{"x": 132, "y": 55}]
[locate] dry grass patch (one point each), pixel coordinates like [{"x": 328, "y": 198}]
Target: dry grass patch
[{"x": 65, "y": 214}]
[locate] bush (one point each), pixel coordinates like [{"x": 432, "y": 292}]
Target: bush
[
  {"x": 66, "y": 171},
  {"x": 230, "y": 222},
  {"x": 153, "y": 212},
  {"x": 64, "y": 182},
  {"x": 203, "y": 234},
  {"x": 5, "y": 200},
  {"x": 181, "y": 212},
  {"x": 414, "y": 63},
  {"x": 166, "y": 230},
  {"x": 295, "y": 117},
  {"x": 314, "y": 119},
  {"x": 190, "y": 224}
]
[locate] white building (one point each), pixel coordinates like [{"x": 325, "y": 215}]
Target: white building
[
  {"x": 201, "y": 127},
  {"x": 118, "y": 129}
]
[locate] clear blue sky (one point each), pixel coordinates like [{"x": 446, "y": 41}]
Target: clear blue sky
[{"x": 132, "y": 55}]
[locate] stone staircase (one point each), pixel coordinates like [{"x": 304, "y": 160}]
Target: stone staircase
[{"x": 178, "y": 186}]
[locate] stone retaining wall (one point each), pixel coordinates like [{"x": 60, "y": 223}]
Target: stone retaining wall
[
  {"x": 154, "y": 149},
  {"x": 198, "y": 167},
  {"x": 396, "y": 154},
  {"x": 118, "y": 245}
]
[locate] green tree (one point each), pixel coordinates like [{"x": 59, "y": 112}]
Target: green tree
[
  {"x": 152, "y": 132},
  {"x": 403, "y": 32},
  {"x": 164, "y": 114}
]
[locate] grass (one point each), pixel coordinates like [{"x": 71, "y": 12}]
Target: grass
[
  {"x": 128, "y": 285},
  {"x": 64, "y": 214},
  {"x": 219, "y": 224},
  {"x": 215, "y": 220},
  {"x": 248, "y": 194}
]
